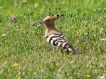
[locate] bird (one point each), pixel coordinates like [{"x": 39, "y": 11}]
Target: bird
[{"x": 54, "y": 36}]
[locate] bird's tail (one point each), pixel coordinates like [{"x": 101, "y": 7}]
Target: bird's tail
[
  {"x": 75, "y": 51},
  {"x": 70, "y": 48}
]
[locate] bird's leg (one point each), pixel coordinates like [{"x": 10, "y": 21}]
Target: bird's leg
[
  {"x": 54, "y": 48},
  {"x": 62, "y": 50}
]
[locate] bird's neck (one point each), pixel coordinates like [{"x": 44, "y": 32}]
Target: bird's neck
[
  {"x": 50, "y": 29},
  {"x": 50, "y": 26}
]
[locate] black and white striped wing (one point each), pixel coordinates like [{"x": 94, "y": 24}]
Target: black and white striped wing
[{"x": 59, "y": 40}]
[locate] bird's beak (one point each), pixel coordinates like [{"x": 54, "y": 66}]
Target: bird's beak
[{"x": 38, "y": 23}]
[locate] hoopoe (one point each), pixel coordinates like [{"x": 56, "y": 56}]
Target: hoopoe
[{"x": 55, "y": 37}]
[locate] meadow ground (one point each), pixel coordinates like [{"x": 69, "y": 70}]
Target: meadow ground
[{"x": 24, "y": 53}]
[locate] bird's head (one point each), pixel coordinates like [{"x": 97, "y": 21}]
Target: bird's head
[{"x": 49, "y": 20}]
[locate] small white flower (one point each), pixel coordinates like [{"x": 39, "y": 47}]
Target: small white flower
[
  {"x": 3, "y": 35},
  {"x": 63, "y": 2},
  {"x": 36, "y": 5},
  {"x": 103, "y": 39},
  {"x": 1, "y": 7},
  {"x": 102, "y": 77}
]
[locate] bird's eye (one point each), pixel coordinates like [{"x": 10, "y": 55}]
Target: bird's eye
[{"x": 48, "y": 20}]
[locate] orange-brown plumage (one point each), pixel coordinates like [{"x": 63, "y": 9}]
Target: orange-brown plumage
[{"x": 50, "y": 26}]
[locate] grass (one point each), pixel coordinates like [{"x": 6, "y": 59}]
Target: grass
[{"x": 24, "y": 53}]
